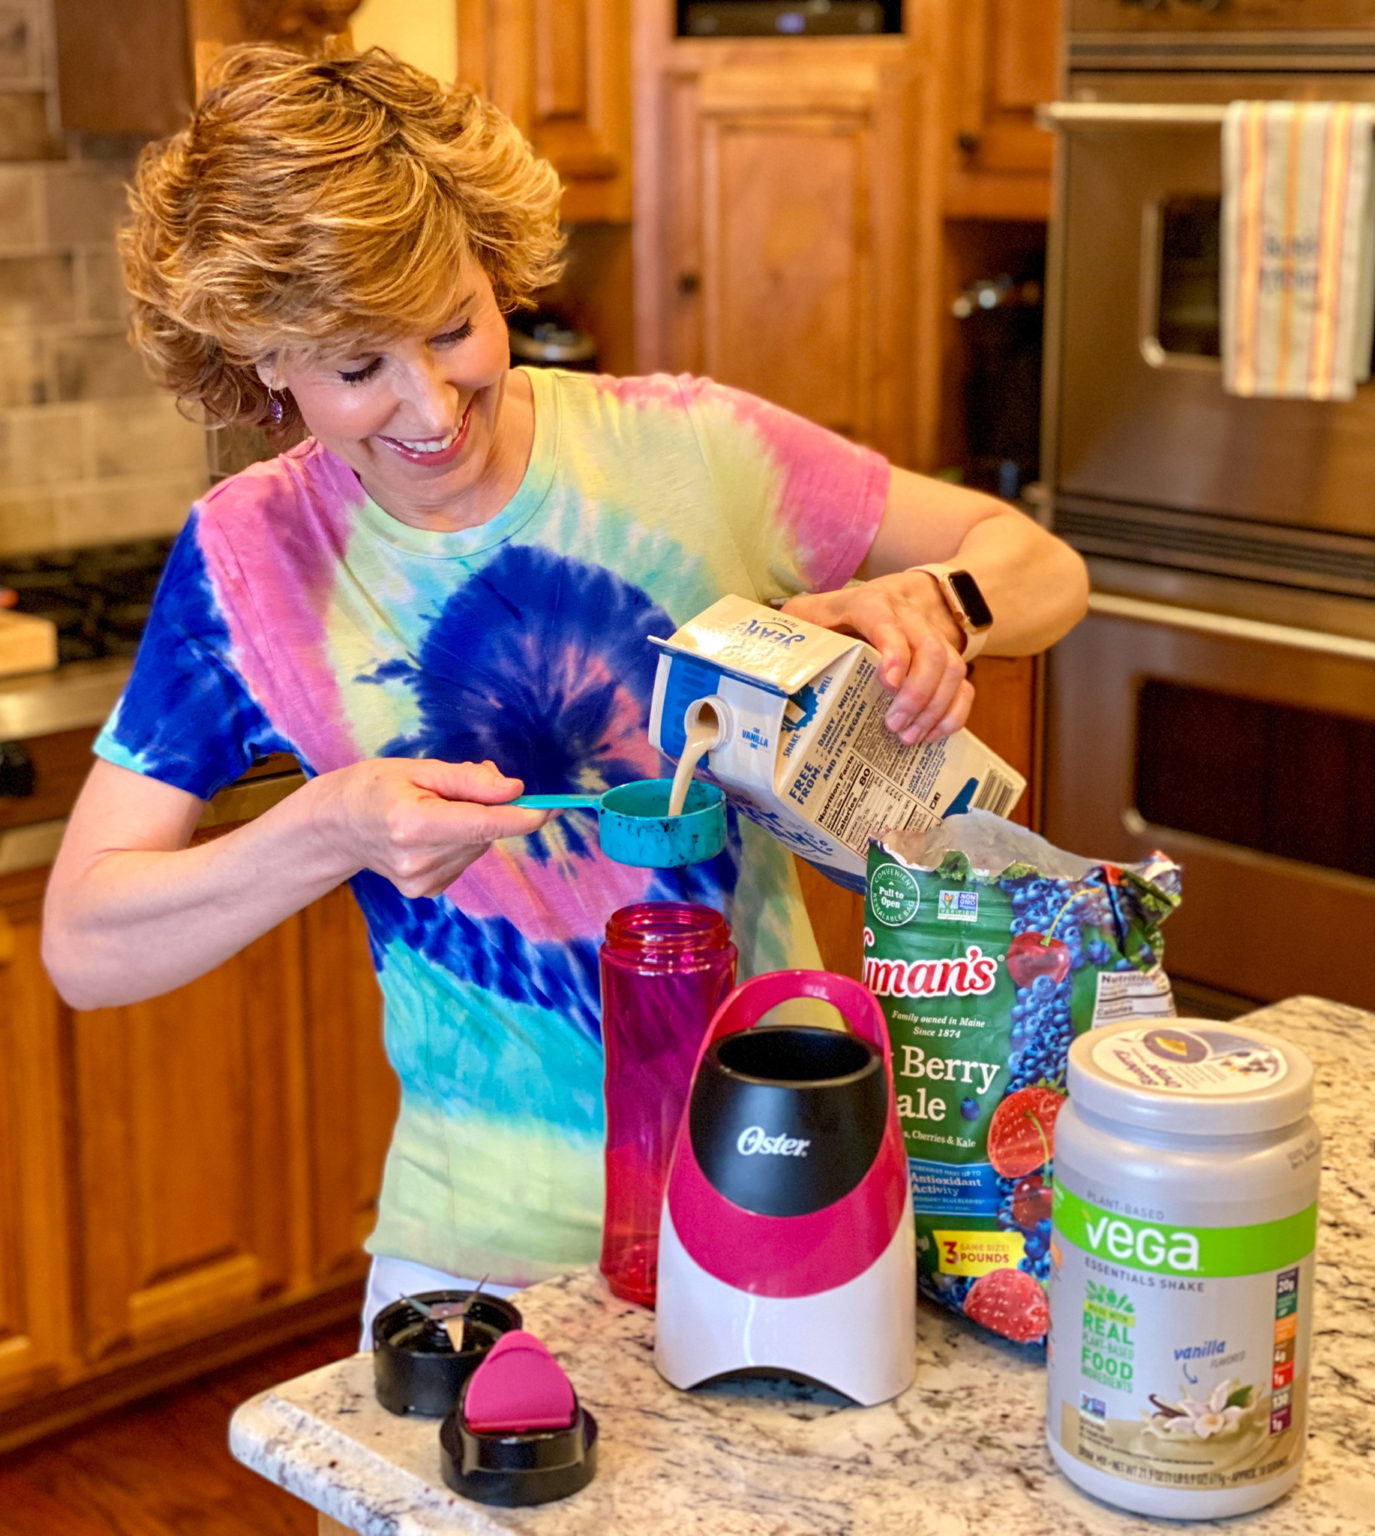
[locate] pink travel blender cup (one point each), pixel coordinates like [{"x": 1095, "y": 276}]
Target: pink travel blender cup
[{"x": 665, "y": 968}]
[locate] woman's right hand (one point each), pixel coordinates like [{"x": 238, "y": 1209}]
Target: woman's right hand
[{"x": 420, "y": 822}]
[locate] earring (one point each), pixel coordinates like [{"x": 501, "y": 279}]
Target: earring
[{"x": 275, "y": 409}]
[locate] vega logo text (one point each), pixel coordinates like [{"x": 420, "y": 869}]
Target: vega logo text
[{"x": 1148, "y": 1246}]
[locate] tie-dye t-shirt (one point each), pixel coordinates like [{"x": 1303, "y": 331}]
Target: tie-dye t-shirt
[{"x": 296, "y": 615}]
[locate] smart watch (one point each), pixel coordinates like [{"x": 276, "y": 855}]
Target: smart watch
[{"x": 967, "y": 604}]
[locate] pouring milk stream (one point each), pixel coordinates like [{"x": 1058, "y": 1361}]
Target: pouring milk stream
[{"x": 703, "y": 733}]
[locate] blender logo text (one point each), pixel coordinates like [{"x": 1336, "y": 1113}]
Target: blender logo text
[{"x": 752, "y": 1139}]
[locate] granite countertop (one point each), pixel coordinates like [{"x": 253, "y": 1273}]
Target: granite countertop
[{"x": 960, "y": 1452}]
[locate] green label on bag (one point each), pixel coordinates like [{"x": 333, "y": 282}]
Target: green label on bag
[
  {"x": 894, "y": 895},
  {"x": 1163, "y": 1249}
]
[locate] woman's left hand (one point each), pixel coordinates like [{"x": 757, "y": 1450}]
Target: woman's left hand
[{"x": 905, "y": 619}]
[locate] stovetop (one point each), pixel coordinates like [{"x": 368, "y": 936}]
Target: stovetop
[{"x": 98, "y": 596}]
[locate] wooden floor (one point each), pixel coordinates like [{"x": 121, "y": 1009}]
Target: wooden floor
[{"x": 162, "y": 1467}]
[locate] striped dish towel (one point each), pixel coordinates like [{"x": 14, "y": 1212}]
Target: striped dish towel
[{"x": 1298, "y": 258}]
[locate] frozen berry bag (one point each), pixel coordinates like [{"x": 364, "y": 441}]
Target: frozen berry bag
[{"x": 989, "y": 950}]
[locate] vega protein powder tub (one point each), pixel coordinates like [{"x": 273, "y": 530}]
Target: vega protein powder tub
[{"x": 1181, "y": 1281}]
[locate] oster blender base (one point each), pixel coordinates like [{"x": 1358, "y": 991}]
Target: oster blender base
[{"x": 786, "y": 1244}]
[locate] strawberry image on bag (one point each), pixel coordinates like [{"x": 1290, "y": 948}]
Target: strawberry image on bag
[{"x": 989, "y": 950}]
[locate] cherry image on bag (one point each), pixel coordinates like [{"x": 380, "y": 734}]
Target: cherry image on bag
[{"x": 1033, "y": 954}]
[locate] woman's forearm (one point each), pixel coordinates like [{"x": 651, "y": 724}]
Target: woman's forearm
[
  {"x": 131, "y": 923},
  {"x": 133, "y": 911},
  {"x": 1036, "y": 586}
]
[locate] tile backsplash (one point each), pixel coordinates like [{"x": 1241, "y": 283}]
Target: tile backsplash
[{"x": 91, "y": 450}]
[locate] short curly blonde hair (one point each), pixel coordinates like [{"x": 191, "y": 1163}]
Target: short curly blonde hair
[{"x": 318, "y": 203}]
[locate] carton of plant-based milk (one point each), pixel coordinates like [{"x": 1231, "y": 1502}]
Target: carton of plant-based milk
[{"x": 801, "y": 746}]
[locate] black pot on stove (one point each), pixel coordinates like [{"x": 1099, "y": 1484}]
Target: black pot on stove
[{"x": 544, "y": 338}]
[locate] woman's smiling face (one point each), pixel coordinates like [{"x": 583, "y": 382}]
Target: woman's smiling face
[{"x": 424, "y": 421}]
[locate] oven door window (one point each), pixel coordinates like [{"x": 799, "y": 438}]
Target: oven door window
[
  {"x": 1188, "y": 309},
  {"x": 1293, "y": 782}
]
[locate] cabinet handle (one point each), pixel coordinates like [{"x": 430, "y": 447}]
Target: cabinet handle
[
  {"x": 16, "y": 770},
  {"x": 967, "y": 143},
  {"x": 689, "y": 283}
]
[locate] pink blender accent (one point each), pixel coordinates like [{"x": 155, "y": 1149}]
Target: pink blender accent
[
  {"x": 518, "y": 1387},
  {"x": 665, "y": 968}
]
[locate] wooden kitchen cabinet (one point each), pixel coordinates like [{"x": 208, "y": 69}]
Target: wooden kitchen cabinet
[
  {"x": 1003, "y": 62},
  {"x": 352, "y": 1094},
  {"x": 123, "y": 69},
  {"x": 235, "y": 1131},
  {"x": 780, "y": 183},
  {"x": 37, "y": 1333},
  {"x": 774, "y": 230},
  {"x": 183, "y": 1180},
  {"x": 184, "y": 1156},
  {"x": 1004, "y": 717},
  {"x": 561, "y": 70},
  {"x": 837, "y": 917},
  {"x": 136, "y": 69}
]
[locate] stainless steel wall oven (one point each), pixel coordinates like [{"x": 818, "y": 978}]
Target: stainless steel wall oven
[{"x": 1219, "y": 701}]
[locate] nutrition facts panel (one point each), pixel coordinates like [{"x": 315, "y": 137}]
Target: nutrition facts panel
[{"x": 864, "y": 801}]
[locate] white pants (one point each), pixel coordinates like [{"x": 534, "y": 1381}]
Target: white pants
[{"x": 389, "y": 1279}]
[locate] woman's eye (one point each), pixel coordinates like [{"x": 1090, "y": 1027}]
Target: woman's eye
[
  {"x": 360, "y": 375},
  {"x": 459, "y": 333}
]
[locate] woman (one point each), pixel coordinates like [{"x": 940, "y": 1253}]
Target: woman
[{"x": 444, "y": 597}]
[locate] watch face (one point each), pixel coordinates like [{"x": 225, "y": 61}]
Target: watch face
[{"x": 967, "y": 590}]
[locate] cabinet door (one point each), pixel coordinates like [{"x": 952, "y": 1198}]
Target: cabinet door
[
  {"x": 188, "y": 1167},
  {"x": 837, "y": 921},
  {"x": 1004, "y": 63},
  {"x": 122, "y": 69},
  {"x": 35, "y": 1334},
  {"x": 1004, "y": 718},
  {"x": 561, "y": 70},
  {"x": 351, "y": 1090},
  {"x": 778, "y": 260}
]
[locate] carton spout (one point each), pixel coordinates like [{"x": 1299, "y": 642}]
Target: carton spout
[{"x": 708, "y": 720}]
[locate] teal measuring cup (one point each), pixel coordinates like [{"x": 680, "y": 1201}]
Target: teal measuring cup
[{"x": 635, "y": 827}]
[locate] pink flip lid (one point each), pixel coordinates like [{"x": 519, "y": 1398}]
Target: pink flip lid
[{"x": 518, "y": 1387}]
